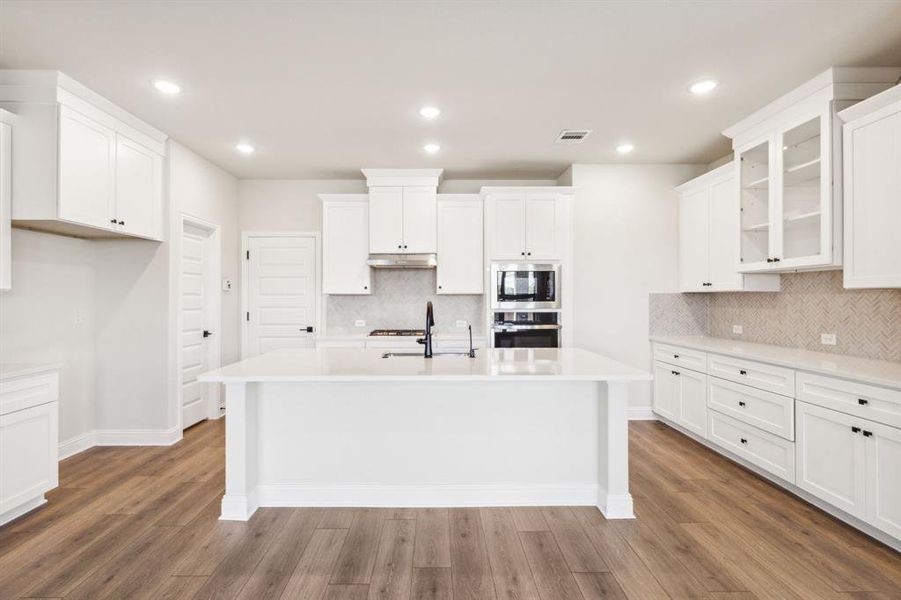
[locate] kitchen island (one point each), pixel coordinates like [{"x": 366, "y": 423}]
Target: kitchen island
[{"x": 347, "y": 427}]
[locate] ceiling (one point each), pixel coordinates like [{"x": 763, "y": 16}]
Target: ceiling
[{"x": 324, "y": 88}]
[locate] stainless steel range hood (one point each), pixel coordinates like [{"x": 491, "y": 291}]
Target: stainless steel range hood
[{"x": 403, "y": 261}]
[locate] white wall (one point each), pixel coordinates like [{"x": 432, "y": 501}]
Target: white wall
[
  {"x": 53, "y": 282},
  {"x": 625, "y": 247}
]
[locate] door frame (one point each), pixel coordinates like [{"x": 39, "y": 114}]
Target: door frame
[
  {"x": 213, "y": 305},
  {"x": 245, "y": 276}
]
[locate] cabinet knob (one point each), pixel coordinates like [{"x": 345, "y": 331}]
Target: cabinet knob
[
  {"x": 121, "y": 222},
  {"x": 741, "y": 402},
  {"x": 399, "y": 246},
  {"x": 113, "y": 221},
  {"x": 867, "y": 433},
  {"x": 522, "y": 253},
  {"x": 744, "y": 441},
  {"x": 855, "y": 429},
  {"x": 365, "y": 287},
  {"x": 769, "y": 260},
  {"x": 528, "y": 254},
  {"x": 675, "y": 356},
  {"x": 742, "y": 372},
  {"x": 675, "y": 372},
  {"x": 862, "y": 402},
  {"x": 405, "y": 246},
  {"x": 439, "y": 287},
  {"x": 776, "y": 259}
]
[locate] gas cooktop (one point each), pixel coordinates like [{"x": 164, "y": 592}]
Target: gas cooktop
[{"x": 397, "y": 332}]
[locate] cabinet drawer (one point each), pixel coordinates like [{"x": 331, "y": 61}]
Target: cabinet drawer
[
  {"x": 682, "y": 357},
  {"x": 28, "y": 391},
  {"x": 878, "y": 404},
  {"x": 778, "y": 380},
  {"x": 758, "y": 447},
  {"x": 765, "y": 410}
]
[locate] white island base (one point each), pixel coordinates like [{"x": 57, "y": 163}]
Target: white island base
[{"x": 345, "y": 427}]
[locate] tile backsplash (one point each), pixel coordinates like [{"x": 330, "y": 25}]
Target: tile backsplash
[
  {"x": 398, "y": 301},
  {"x": 866, "y": 322}
]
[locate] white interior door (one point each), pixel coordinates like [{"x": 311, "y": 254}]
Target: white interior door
[
  {"x": 196, "y": 330},
  {"x": 281, "y": 293}
]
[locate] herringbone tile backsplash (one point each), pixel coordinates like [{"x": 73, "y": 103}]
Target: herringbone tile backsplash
[{"x": 866, "y": 322}]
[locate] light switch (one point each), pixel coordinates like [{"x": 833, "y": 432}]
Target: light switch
[
  {"x": 359, "y": 323},
  {"x": 738, "y": 329}
]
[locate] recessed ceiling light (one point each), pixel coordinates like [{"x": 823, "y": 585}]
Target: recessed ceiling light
[
  {"x": 431, "y": 148},
  {"x": 625, "y": 148},
  {"x": 167, "y": 87},
  {"x": 429, "y": 112},
  {"x": 244, "y": 148},
  {"x": 703, "y": 87}
]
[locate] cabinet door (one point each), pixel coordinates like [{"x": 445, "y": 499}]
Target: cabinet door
[
  {"x": 507, "y": 226},
  {"x": 345, "y": 241},
  {"x": 693, "y": 240},
  {"x": 386, "y": 220},
  {"x": 543, "y": 226},
  {"x": 692, "y": 401},
  {"x": 754, "y": 166},
  {"x": 28, "y": 454},
  {"x": 803, "y": 204},
  {"x": 723, "y": 244},
  {"x": 460, "y": 268},
  {"x": 5, "y": 205},
  {"x": 872, "y": 199},
  {"x": 419, "y": 220},
  {"x": 831, "y": 457},
  {"x": 665, "y": 391},
  {"x": 139, "y": 189},
  {"x": 87, "y": 163},
  {"x": 883, "y": 477}
]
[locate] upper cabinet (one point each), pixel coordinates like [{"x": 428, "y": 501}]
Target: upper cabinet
[
  {"x": 788, "y": 172},
  {"x": 460, "y": 261},
  {"x": 403, "y": 210},
  {"x": 526, "y": 225},
  {"x": 83, "y": 166},
  {"x": 708, "y": 237},
  {"x": 872, "y": 186},
  {"x": 345, "y": 244}
]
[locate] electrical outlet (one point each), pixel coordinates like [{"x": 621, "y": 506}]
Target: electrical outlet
[
  {"x": 738, "y": 329},
  {"x": 78, "y": 317},
  {"x": 827, "y": 339},
  {"x": 359, "y": 323},
  {"x": 461, "y": 323}
]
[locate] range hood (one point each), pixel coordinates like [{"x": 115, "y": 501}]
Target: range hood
[{"x": 403, "y": 261}]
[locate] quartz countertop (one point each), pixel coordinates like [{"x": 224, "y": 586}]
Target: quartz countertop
[
  {"x": 359, "y": 364},
  {"x": 867, "y": 370}
]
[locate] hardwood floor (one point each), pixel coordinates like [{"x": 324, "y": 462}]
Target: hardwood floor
[{"x": 142, "y": 523}]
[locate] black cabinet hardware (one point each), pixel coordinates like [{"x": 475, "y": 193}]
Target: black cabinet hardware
[
  {"x": 528, "y": 254},
  {"x": 247, "y": 255},
  {"x": 862, "y": 402},
  {"x": 207, "y": 333},
  {"x": 113, "y": 221},
  {"x": 405, "y": 246},
  {"x": 675, "y": 372},
  {"x": 522, "y": 253},
  {"x": 867, "y": 433},
  {"x": 399, "y": 246},
  {"x": 308, "y": 329},
  {"x": 365, "y": 287},
  {"x": 855, "y": 429},
  {"x": 744, "y": 441},
  {"x": 776, "y": 259},
  {"x": 742, "y": 372},
  {"x": 675, "y": 356},
  {"x": 121, "y": 222},
  {"x": 439, "y": 287},
  {"x": 741, "y": 402},
  {"x": 769, "y": 260}
]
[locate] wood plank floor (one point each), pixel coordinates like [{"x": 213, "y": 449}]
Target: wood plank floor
[{"x": 142, "y": 523}]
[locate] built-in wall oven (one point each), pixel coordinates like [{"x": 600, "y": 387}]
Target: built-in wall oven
[
  {"x": 523, "y": 287},
  {"x": 525, "y": 330}
]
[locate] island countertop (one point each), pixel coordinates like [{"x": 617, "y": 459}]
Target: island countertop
[{"x": 359, "y": 364}]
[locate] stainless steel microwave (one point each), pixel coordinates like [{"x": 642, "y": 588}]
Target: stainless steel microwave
[{"x": 523, "y": 286}]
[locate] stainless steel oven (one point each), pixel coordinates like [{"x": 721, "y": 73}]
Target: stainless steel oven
[
  {"x": 525, "y": 330},
  {"x": 522, "y": 286}
]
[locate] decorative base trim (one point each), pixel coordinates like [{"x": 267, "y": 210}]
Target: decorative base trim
[
  {"x": 238, "y": 508},
  {"x": 20, "y": 510},
  {"x": 641, "y": 413},
  {"x": 77, "y": 444},
  {"x": 617, "y": 507},
  {"x": 118, "y": 437}
]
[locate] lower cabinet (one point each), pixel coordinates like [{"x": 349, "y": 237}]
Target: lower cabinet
[
  {"x": 680, "y": 395},
  {"x": 852, "y": 463},
  {"x": 758, "y": 447}
]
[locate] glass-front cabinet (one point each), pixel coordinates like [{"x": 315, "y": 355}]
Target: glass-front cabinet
[{"x": 755, "y": 166}]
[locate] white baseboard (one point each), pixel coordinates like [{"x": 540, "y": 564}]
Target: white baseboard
[
  {"x": 118, "y": 437},
  {"x": 641, "y": 413}
]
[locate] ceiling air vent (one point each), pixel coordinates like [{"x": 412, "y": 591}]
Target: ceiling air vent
[{"x": 572, "y": 136}]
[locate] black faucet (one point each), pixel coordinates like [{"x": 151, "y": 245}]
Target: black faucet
[{"x": 429, "y": 323}]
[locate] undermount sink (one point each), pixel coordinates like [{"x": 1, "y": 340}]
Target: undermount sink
[{"x": 420, "y": 354}]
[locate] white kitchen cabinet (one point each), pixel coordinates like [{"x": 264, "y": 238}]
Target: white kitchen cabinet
[
  {"x": 5, "y": 200},
  {"x": 83, "y": 166},
  {"x": 680, "y": 395},
  {"x": 526, "y": 225},
  {"x": 872, "y": 191},
  {"x": 788, "y": 167},
  {"x": 402, "y": 220},
  {"x": 29, "y": 438},
  {"x": 345, "y": 244},
  {"x": 708, "y": 237},
  {"x": 460, "y": 232},
  {"x": 883, "y": 477}
]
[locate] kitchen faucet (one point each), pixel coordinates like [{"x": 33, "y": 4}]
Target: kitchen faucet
[{"x": 429, "y": 323}]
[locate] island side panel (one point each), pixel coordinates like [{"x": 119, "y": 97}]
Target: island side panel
[
  {"x": 614, "y": 499},
  {"x": 241, "y": 452}
]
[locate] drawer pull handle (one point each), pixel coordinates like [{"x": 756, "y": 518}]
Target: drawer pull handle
[
  {"x": 674, "y": 372},
  {"x": 867, "y": 433},
  {"x": 741, "y": 403},
  {"x": 855, "y": 429},
  {"x": 742, "y": 372},
  {"x": 744, "y": 441},
  {"x": 862, "y": 402}
]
